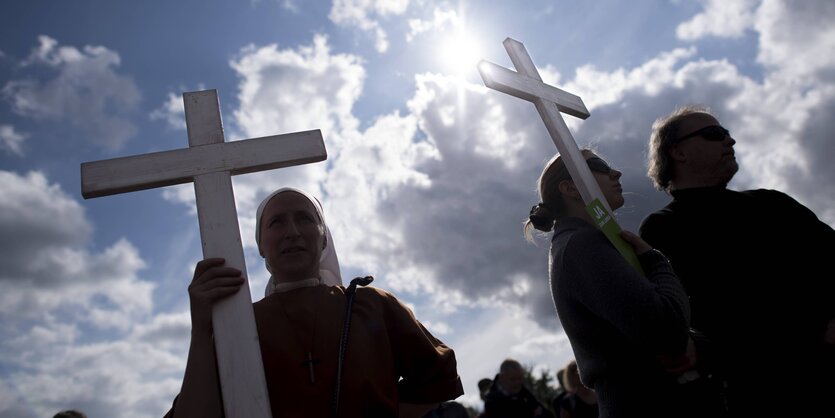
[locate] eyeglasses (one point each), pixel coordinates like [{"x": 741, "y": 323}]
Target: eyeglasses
[
  {"x": 597, "y": 165},
  {"x": 710, "y": 133}
]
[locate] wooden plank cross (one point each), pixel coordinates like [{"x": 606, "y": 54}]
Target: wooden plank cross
[
  {"x": 210, "y": 162},
  {"x": 525, "y": 83}
]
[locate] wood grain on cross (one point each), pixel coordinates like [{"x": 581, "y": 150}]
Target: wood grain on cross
[
  {"x": 526, "y": 83},
  {"x": 209, "y": 163}
]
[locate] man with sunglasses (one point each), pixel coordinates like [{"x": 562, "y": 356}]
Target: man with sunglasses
[{"x": 756, "y": 266}]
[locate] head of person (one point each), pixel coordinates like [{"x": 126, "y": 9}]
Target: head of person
[
  {"x": 70, "y": 413},
  {"x": 559, "y": 196},
  {"x": 484, "y": 387},
  {"x": 293, "y": 238},
  {"x": 690, "y": 148},
  {"x": 561, "y": 377},
  {"x": 511, "y": 376},
  {"x": 571, "y": 377}
]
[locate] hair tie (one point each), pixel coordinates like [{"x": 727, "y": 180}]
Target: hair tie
[{"x": 542, "y": 217}]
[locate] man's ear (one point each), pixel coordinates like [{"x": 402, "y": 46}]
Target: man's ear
[
  {"x": 677, "y": 154},
  {"x": 569, "y": 189},
  {"x": 324, "y": 241}
]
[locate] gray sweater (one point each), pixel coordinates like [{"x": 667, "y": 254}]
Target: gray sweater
[{"x": 617, "y": 320}]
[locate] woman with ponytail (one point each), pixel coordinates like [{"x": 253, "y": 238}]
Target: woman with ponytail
[{"x": 629, "y": 332}]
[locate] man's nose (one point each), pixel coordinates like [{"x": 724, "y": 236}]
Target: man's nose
[{"x": 731, "y": 139}]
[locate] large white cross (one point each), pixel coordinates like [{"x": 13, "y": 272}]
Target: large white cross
[
  {"x": 210, "y": 162},
  {"x": 525, "y": 83}
]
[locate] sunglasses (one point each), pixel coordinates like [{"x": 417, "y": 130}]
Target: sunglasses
[
  {"x": 710, "y": 133},
  {"x": 597, "y": 165}
]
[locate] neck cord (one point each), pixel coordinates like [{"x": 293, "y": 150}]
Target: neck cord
[{"x": 343, "y": 345}]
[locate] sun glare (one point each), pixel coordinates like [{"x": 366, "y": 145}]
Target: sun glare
[{"x": 460, "y": 53}]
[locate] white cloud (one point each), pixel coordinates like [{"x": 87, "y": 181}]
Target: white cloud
[
  {"x": 441, "y": 18},
  {"x": 796, "y": 40},
  {"x": 721, "y": 18},
  {"x": 600, "y": 88},
  {"x": 12, "y": 140},
  {"x": 365, "y": 15},
  {"x": 164, "y": 330},
  {"x": 290, "y": 5},
  {"x": 47, "y": 264},
  {"x": 294, "y": 90},
  {"x": 172, "y": 112},
  {"x": 116, "y": 378},
  {"x": 55, "y": 292},
  {"x": 84, "y": 91}
]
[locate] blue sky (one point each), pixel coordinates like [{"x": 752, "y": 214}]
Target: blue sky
[{"x": 428, "y": 178}]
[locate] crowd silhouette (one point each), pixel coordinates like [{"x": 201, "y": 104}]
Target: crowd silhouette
[
  {"x": 516, "y": 392},
  {"x": 686, "y": 334}
]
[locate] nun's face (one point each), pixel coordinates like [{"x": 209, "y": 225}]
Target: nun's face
[{"x": 292, "y": 237}]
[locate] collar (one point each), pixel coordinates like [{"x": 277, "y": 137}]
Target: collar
[
  {"x": 699, "y": 192},
  {"x": 286, "y": 287}
]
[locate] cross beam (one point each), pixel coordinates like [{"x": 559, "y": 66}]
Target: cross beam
[
  {"x": 209, "y": 163},
  {"x": 526, "y": 83}
]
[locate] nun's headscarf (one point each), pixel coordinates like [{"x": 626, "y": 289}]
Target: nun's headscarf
[{"x": 328, "y": 262}]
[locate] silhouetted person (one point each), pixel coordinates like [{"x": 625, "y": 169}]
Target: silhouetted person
[
  {"x": 388, "y": 365},
  {"x": 756, "y": 264},
  {"x": 450, "y": 409},
  {"x": 618, "y": 320},
  {"x": 580, "y": 401},
  {"x": 70, "y": 413},
  {"x": 560, "y": 392},
  {"x": 509, "y": 398}
]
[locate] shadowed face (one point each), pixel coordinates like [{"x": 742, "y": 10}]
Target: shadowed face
[
  {"x": 292, "y": 237},
  {"x": 607, "y": 178},
  {"x": 512, "y": 380},
  {"x": 704, "y": 155}
]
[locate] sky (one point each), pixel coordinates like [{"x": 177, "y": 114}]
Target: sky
[{"x": 428, "y": 178}]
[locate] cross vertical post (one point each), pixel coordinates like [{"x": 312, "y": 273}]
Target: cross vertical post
[
  {"x": 209, "y": 163},
  {"x": 526, "y": 83},
  {"x": 233, "y": 320}
]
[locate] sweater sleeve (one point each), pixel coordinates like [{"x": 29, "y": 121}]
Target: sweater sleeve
[
  {"x": 652, "y": 311},
  {"x": 427, "y": 367}
]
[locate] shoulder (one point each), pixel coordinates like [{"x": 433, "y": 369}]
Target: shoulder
[
  {"x": 375, "y": 293},
  {"x": 586, "y": 240},
  {"x": 770, "y": 195},
  {"x": 576, "y": 232},
  {"x": 380, "y": 298},
  {"x": 779, "y": 202},
  {"x": 661, "y": 216},
  {"x": 763, "y": 193}
]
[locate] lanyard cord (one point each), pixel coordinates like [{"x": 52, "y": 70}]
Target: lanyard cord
[{"x": 343, "y": 344}]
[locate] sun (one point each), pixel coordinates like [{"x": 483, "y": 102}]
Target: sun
[{"x": 460, "y": 53}]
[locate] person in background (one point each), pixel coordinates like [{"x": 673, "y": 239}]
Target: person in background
[
  {"x": 70, "y": 413},
  {"x": 560, "y": 392},
  {"x": 580, "y": 401},
  {"x": 509, "y": 398}
]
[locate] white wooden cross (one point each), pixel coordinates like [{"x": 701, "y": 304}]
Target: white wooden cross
[
  {"x": 210, "y": 162},
  {"x": 525, "y": 83}
]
